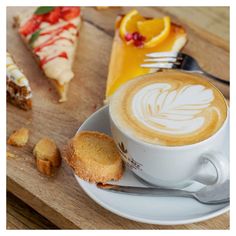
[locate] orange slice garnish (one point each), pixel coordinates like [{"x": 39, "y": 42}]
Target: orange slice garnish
[
  {"x": 155, "y": 31},
  {"x": 129, "y": 23}
]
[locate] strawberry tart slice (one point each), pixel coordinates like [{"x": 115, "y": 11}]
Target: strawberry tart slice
[{"x": 51, "y": 33}]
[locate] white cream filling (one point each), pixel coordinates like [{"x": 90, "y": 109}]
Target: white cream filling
[
  {"x": 15, "y": 75},
  {"x": 179, "y": 43}
]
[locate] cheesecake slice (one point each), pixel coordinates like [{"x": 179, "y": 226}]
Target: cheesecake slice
[
  {"x": 18, "y": 88},
  {"x": 129, "y": 48},
  {"x": 51, "y": 34}
]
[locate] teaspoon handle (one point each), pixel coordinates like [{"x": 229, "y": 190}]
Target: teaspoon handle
[{"x": 153, "y": 191}]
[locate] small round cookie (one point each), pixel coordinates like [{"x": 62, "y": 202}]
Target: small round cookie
[{"x": 94, "y": 157}]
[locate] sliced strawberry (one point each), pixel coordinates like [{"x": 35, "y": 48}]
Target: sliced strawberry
[
  {"x": 38, "y": 18},
  {"x": 30, "y": 26},
  {"x": 63, "y": 9},
  {"x": 53, "y": 16},
  {"x": 69, "y": 13}
]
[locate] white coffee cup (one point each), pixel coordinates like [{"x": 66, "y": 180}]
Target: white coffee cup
[{"x": 176, "y": 166}]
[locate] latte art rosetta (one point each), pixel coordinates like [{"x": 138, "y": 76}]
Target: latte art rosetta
[
  {"x": 169, "y": 108},
  {"x": 160, "y": 108}
]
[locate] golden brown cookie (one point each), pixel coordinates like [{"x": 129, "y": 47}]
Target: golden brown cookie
[
  {"x": 19, "y": 138},
  {"x": 47, "y": 156},
  {"x": 94, "y": 157}
]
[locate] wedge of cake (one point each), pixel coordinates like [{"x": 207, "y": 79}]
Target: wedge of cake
[
  {"x": 18, "y": 88},
  {"x": 134, "y": 37},
  {"x": 51, "y": 34}
]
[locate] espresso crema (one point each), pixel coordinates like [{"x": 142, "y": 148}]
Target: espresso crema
[{"x": 169, "y": 108}]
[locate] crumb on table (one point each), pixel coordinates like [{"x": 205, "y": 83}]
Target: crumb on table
[{"x": 19, "y": 138}]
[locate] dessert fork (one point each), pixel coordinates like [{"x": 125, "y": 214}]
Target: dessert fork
[{"x": 176, "y": 60}]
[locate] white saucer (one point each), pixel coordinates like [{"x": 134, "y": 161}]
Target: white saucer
[{"x": 146, "y": 209}]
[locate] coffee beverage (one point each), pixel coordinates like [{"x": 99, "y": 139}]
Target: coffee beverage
[{"x": 168, "y": 108}]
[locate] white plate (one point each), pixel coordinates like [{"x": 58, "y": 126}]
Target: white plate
[{"x": 147, "y": 209}]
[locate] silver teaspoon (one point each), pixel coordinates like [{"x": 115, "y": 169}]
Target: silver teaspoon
[{"x": 211, "y": 194}]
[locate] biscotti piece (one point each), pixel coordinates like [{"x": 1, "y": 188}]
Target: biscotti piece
[
  {"x": 94, "y": 157},
  {"x": 19, "y": 138},
  {"x": 18, "y": 88},
  {"x": 47, "y": 156}
]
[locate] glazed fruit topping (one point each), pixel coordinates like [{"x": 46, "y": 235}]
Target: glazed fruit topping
[
  {"x": 136, "y": 38},
  {"x": 141, "y": 32},
  {"x": 69, "y": 13},
  {"x": 53, "y": 16},
  {"x": 31, "y": 25},
  {"x": 48, "y": 14}
]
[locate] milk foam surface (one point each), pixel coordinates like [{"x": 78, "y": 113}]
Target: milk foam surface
[
  {"x": 160, "y": 108},
  {"x": 169, "y": 108}
]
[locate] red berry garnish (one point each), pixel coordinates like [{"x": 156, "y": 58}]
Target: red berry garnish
[
  {"x": 31, "y": 25},
  {"x": 63, "y": 9},
  {"x": 128, "y": 37},
  {"x": 141, "y": 38},
  {"x": 138, "y": 43},
  {"x": 135, "y": 36},
  {"x": 53, "y": 16}
]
